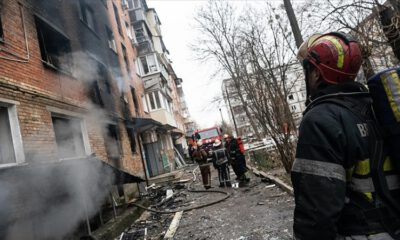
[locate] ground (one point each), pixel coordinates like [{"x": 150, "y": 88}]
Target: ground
[{"x": 258, "y": 211}]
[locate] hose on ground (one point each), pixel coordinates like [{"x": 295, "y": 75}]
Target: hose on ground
[{"x": 190, "y": 189}]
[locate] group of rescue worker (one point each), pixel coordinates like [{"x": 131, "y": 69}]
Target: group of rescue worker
[
  {"x": 346, "y": 184},
  {"x": 221, "y": 156}
]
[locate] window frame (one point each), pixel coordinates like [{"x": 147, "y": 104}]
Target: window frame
[
  {"x": 46, "y": 58},
  {"x": 84, "y": 8},
  {"x": 15, "y": 132}
]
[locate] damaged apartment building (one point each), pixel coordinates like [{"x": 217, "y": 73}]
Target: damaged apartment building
[{"x": 89, "y": 109}]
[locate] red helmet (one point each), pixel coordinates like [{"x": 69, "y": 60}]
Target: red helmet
[{"x": 336, "y": 55}]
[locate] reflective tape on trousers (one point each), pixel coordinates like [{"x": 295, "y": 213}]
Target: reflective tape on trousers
[
  {"x": 366, "y": 185},
  {"x": 318, "y": 168}
]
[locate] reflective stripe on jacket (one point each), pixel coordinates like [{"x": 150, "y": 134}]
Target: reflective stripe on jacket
[{"x": 332, "y": 170}]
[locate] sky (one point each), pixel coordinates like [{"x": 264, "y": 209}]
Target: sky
[
  {"x": 177, "y": 26},
  {"x": 200, "y": 87}
]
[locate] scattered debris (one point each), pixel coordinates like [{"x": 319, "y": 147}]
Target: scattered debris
[
  {"x": 174, "y": 225},
  {"x": 270, "y": 186}
]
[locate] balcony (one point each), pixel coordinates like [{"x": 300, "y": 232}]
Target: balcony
[
  {"x": 137, "y": 15},
  {"x": 164, "y": 117}
]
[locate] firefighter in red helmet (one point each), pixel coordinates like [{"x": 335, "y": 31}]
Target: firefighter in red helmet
[{"x": 336, "y": 194}]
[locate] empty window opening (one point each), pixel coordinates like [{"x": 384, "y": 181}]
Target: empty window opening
[
  {"x": 55, "y": 48},
  {"x": 87, "y": 14},
  {"x": 125, "y": 58},
  {"x": 95, "y": 94},
  {"x": 132, "y": 139},
  {"x": 111, "y": 140},
  {"x": 111, "y": 40},
  {"x": 68, "y": 133},
  {"x": 116, "y": 15},
  {"x": 291, "y": 97},
  {"x": 7, "y": 154}
]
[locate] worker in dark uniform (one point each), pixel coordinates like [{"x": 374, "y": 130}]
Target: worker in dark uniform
[
  {"x": 220, "y": 161},
  {"x": 236, "y": 159},
  {"x": 335, "y": 189},
  {"x": 200, "y": 156}
]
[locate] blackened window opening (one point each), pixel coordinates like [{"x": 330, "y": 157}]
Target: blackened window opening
[
  {"x": 125, "y": 58},
  {"x": 116, "y": 14},
  {"x": 7, "y": 154},
  {"x": 95, "y": 94},
  {"x": 87, "y": 14},
  {"x": 68, "y": 133},
  {"x": 1, "y": 28},
  {"x": 55, "y": 49},
  {"x": 111, "y": 140},
  {"x": 132, "y": 139},
  {"x": 111, "y": 40},
  {"x": 105, "y": 78},
  {"x": 135, "y": 101}
]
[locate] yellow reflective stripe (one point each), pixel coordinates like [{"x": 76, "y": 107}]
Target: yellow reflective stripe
[
  {"x": 387, "y": 165},
  {"x": 368, "y": 196},
  {"x": 339, "y": 48},
  {"x": 362, "y": 167},
  {"x": 392, "y": 90}
]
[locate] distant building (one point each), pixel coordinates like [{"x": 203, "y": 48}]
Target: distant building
[{"x": 296, "y": 99}]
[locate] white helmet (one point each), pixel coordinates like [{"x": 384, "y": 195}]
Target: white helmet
[
  {"x": 217, "y": 143},
  {"x": 199, "y": 143}
]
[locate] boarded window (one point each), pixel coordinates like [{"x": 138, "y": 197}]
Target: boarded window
[
  {"x": 68, "y": 132},
  {"x": 111, "y": 139},
  {"x": 7, "y": 154},
  {"x": 55, "y": 48}
]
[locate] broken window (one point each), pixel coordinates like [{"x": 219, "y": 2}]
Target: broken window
[
  {"x": 125, "y": 58},
  {"x": 116, "y": 15},
  {"x": 111, "y": 139},
  {"x": 7, "y": 154},
  {"x": 95, "y": 94},
  {"x": 69, "y": 139},
  {"x": 55, "y": 48},
  {"x": 132, "y": 139},
  {"x": 111, "y": 40},
  {"x": 135, "y": 100},
  {"x": 104, "y": 77},
  {"x": 148, "y": 64},
  {"x": 87, "y": 14}
]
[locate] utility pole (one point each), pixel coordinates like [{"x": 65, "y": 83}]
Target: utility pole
[
  {"x": 222, "y": 118},
  {"x": 293, "y": 23},
  {"x": 230, "y": 108}
]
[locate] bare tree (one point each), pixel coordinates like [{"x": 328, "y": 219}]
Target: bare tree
[
  {"x": 256, "y": 50},
  {"x": 359, "y": 17}
]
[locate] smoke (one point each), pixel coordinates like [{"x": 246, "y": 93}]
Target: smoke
[
  {"x": 47, "y": 198},
  {"x": 48, "y": 201}
]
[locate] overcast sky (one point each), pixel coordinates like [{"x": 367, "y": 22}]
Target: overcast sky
[
  {"x": 177, "y": 26},
  {"x": 177, "y": 22}
]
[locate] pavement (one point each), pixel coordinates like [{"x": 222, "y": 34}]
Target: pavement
[{"x": 258, "y": 211}]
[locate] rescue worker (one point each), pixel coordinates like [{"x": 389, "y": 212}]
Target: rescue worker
[
  {"x": 220, "y": 161},
  {"x": 200, "y": 156},
  {"x": 336, "y": 194},
  {"x": 236, "y": 158}
]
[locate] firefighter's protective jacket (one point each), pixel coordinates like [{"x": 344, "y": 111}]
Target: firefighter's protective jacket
[{"x": 331, "y": 177}]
